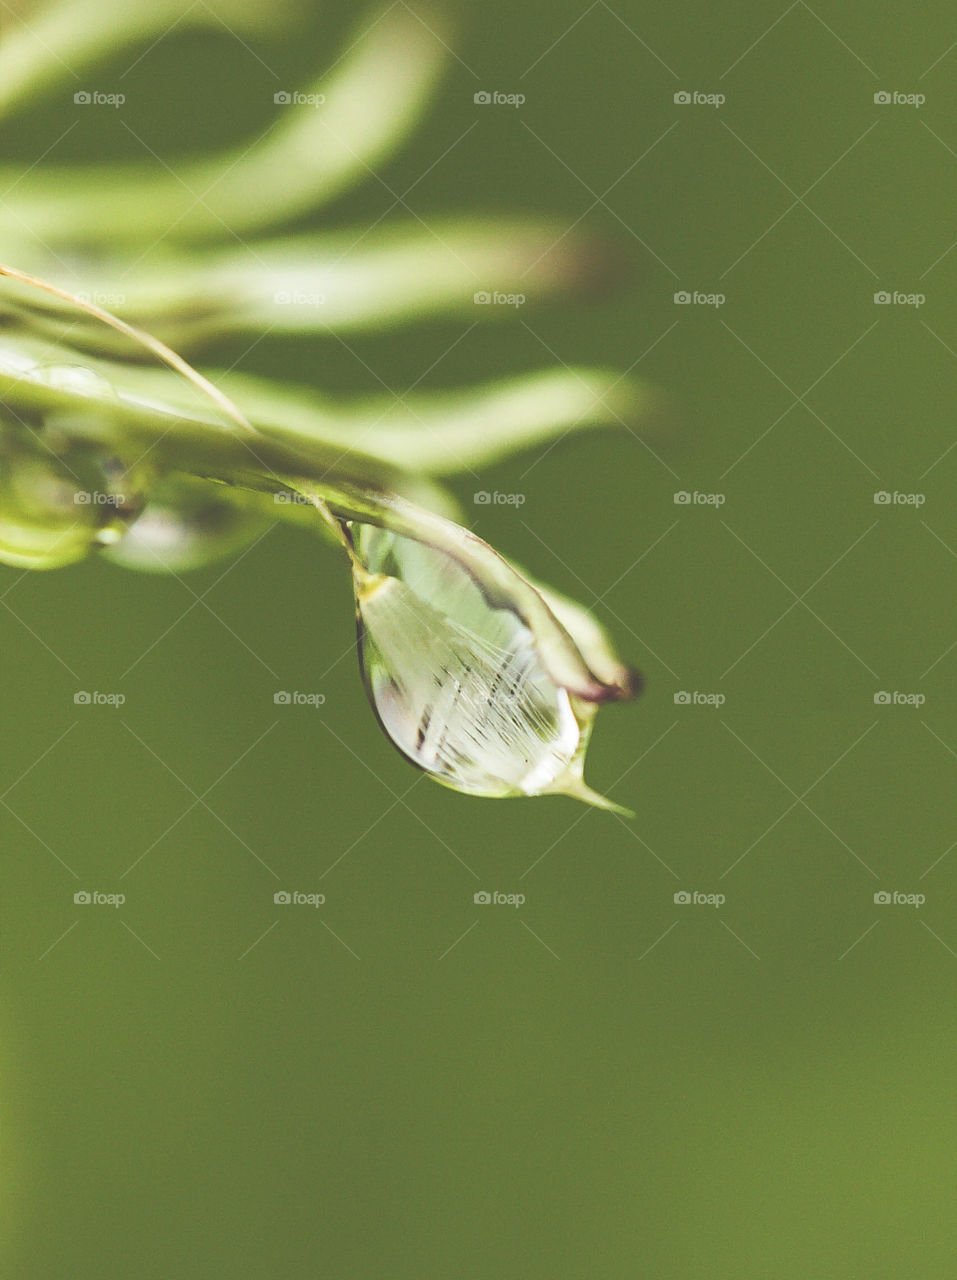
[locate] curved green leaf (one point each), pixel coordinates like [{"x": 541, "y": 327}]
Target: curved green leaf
[{"x": 310, "y": 155}]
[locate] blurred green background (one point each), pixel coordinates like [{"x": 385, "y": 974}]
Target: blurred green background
[{"x": 602, "y": 1081}]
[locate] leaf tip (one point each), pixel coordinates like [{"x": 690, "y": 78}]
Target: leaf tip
[{"x": 578, "y": 789}]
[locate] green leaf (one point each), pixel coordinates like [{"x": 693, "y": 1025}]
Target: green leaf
[
  {"x": 344, "y": 281},
  {"x": 52, "y": 44},
  {"x": 441, "y": 433},
  {"x": 372, "y": 97}
]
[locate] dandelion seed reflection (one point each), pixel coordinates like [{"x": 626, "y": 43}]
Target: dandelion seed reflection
[{"x": 458, "y": 684}]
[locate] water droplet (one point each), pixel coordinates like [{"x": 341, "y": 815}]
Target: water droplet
[
  {"x": 185, "y": 524},
  {"x": 57, "y": 503},
  {"x": 75, "y": 380},
  {"x": 458, "y": 684}
]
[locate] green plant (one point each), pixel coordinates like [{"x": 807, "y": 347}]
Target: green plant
[{"x": 112, "y": 442}]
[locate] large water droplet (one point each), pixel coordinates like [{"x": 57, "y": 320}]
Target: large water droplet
[{"x": 458, "y": 684}]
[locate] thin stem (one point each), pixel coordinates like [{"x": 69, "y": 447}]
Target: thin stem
[{"x": 139, "y": 336}]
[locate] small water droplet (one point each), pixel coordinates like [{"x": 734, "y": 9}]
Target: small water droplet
[
  {"x": 187, "y": 523},
  {"x": 58, "y": 501},
  {"x": 75, "y": 380}
]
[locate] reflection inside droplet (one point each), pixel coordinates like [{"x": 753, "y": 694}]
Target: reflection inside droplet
[
  {"x": 187, "y": 523},
  {"x": 457, "y": 684},
  {"x": 59, "y": 499}
]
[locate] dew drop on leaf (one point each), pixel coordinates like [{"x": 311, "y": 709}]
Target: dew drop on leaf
[
  {"x": 59, "y": 500},
  {"x": 456, "y": 683},
  {"x": 185, "y": 524},
  {"x": 74, "y": 380}
]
